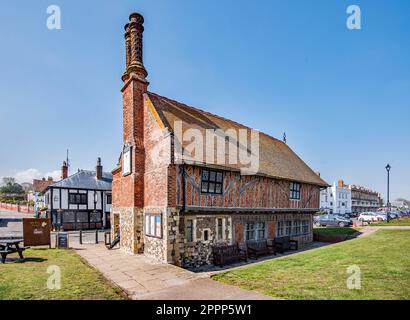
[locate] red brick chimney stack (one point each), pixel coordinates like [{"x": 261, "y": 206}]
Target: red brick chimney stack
[
  {"x": 133, "y": 48},
  {"x": 98, "y": 169},
  {"x": 134, "y": 88},
  {"x": 64, "y": 171}
]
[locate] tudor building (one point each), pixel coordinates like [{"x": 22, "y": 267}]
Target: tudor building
[
  {"x": 175, "y": 208},
  {"x": 81, "y": 200}
]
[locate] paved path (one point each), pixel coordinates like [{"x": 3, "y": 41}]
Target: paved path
[
  {"x": 145, "y": 279},
  {"x": 368, "y": 230},
  {"x": 11, "y": 223}
]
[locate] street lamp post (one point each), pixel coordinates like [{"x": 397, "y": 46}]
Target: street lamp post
[{"x": 388, "y": 167}]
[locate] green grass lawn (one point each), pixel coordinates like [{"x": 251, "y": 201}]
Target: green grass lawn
[
  {"x": 28, "y": 279},
  {"x": 335, "y": 231},
  {"x": 393, "y": 223},
  {"x": 383, "y": 257}
]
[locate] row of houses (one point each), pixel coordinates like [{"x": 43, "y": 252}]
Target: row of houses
[{"x": 341, "y": 198}]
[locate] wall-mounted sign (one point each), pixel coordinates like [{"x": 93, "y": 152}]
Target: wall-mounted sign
[
  {"x": 126, "y": 160},
  {"x": 62, "y": 240},
  {"x": 36, "y": 231}
]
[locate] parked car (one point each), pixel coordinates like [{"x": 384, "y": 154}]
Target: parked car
[
  {"x": 331, "y": 220},
  {"x": 367, "y": 217},
  {"x": 394, "y": 215},
  {"x": 381, "y": 216}
]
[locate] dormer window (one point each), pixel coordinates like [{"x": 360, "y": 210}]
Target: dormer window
[{"x": 294, "y": 192}]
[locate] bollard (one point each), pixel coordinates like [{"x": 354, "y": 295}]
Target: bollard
[
  {"x": 81, "y": 237},
  {"x": 96, "y": 236}
]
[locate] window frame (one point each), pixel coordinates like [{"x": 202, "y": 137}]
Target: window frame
[
  {"x": 288, "y": 227},
  {"x": 206, "y": 182},
  {"x": 109, "y": 197},
  {"x": 220, "y": 228},
  {"x": 305, "y": 224},
  {"x": 280, "y": 230},
  {"x": 295, "y": 190},
  {"x": 80, "y": 198},
  {"x": 260, "y": 227},
  {"x": 249, "y": 231},
  {"x": 148, "y": 225},
  {"x": 189, "y": 226}
]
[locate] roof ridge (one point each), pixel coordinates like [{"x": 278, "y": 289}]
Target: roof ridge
[{"x": 217, "y": 116}]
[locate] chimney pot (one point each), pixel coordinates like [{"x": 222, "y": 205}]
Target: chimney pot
[
  {"x": 98, "y": 169},
  {"x": 64, "y": 171},
  {"x": 133, "y": 47}
]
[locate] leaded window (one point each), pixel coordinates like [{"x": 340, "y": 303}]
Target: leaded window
[
  {"x": 211, "y": 181},
  {"x": 294, "y": 191}
]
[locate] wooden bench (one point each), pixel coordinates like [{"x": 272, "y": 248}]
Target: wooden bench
[
  {"x": 285, "y": 243},
  {"x": 5, "y": 251},
  {"x": 258, "y": 248},
  {"x": 9, "y": 246},
  {"x": 228, "y": 254}
]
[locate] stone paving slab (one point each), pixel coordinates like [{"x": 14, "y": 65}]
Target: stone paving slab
[{"x": 142, "y": 278}]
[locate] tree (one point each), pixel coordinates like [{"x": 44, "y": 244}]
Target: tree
[{"x": 11, "y": 187}]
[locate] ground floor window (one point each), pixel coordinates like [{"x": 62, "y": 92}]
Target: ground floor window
[
  {"x": 280, "y": 231},
  {"x": 261, "y": 230},
  {"x": 250, "y": 231},
  {"x": 189, "y": 234},
  {"x": 153, "y": 225},
  {"x": 220, "y": 229},
  {"x": 255, "y": 231},
  {"x": 305, "y": 226},
  {"x": 288, "y": 228},
  {"x": 296, "y": 227}
]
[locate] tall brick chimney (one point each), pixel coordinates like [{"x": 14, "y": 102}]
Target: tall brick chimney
[
  {"x": 135, "y": 85},
  {"x": 98, "y": 169},
  {"x": 128, "y": 183},
  {"x": 64, "y": 170},
  {"x": 341, "y": 183}
]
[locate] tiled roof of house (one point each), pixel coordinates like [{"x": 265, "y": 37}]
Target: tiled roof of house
[
  {"x": 276, "y": 159},
  {"x": 41, "y": 185},
  {"x": 85, "y": 179}
]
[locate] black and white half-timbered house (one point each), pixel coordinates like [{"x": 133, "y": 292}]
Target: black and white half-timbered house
[{"x": 81, "y": 201}]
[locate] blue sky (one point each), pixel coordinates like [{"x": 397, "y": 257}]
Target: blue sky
[{"x": 342, "y": 96}]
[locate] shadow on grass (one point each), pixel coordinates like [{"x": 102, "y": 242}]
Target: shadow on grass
[{"x": 31, "y": 259}]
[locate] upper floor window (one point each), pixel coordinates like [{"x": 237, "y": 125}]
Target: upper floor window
[
  {"x": 109, "y": 199},
  {"x": 77, "y": 198},
  {"x": 294, "y": 191},
  {"x": 211, "y": 181}
]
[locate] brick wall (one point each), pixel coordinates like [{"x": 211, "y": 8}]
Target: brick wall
[
  {"x": 17, "y": 208},
  {"x": 245, "y": 192}
]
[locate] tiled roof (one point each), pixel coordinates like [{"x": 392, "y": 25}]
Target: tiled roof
[
  {"x": 85, "y": 179},
  {"x": 276, "y": 159},
  {"x": 41, "y": 185}
]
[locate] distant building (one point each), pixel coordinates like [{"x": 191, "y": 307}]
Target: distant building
[
  {"x": 80, "y": 201},
  {"x": 364, "y": 199},
  {"x": 36, "y": 195},
  {"x": 336, "y": 199},
  {"x": 401, "y": 204}
]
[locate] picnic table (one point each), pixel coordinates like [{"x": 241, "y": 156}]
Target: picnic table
[{"x": 8, "y": 246}]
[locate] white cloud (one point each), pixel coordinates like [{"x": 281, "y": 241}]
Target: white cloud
[
  {"x": 56, "y": 175},
  {"x": 30, "y": 174}
]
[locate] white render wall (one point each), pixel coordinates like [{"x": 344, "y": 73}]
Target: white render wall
[
  {"x": 336, "y": 200},
  {"x": 101, "y": 200}
]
